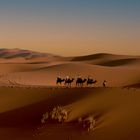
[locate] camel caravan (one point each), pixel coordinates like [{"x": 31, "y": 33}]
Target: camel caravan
[{"x": 79, "y": 81}]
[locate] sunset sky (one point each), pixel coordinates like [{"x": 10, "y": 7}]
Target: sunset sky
[{"x": 71, "y": 27}]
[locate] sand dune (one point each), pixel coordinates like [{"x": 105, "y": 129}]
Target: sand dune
[
  {"x": 116, "y": 111},
  {"x": 28, "y": 90},
  {"x": 15, "y": 53},
  {"x": 109, "y": 60},
  {"x": 95, "y": 57},
  {"x": 26, "y": 56},
  {"x": 121, "y": 62},
  {"x": 46, "y": 75}
]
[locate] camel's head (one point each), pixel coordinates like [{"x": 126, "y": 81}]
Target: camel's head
[
  {"x": 85, "y": 80},
  {"x": 95, "y": 81}
]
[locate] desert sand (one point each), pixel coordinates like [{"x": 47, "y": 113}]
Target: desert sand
[{"x": 28, "y": 89}]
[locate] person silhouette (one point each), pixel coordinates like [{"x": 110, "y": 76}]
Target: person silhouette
[{"x": 104, "y": 83}]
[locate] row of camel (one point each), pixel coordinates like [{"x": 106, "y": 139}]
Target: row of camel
[{"x": 79, "y": 81}]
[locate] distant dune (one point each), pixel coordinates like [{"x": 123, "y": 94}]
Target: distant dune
[
  {"x": 93, "y": 57},
  {"x": 15, "y": 53},
  {"x": 120, "y": 62},
  {"x": 25, "y": 56},
  {"x": 109, "y": 60},
  {"x": 32, "y": 68}
]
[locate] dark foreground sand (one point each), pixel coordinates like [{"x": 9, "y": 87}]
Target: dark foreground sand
[{"x": 116, "y": 111}]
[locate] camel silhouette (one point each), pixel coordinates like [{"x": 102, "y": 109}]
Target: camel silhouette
[
  {"x": 91, "y": 81},
  {"x": 59, "y": 80},
  {"x": 68, "y": 82},
  {"x": 80, "y": 82}
]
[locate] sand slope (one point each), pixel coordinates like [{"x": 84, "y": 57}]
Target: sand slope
[
  {"x": 42, "y": 74},
  {"x": 116, "y": 111},
  {"x": 42, "y": 69},
  {"x": 28, "y": 89}
]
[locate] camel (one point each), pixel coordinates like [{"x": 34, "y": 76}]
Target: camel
[
  {"x": 68, "y": 81},
  {"x": 80, "y": 82},
  {"x": 59, "y": 80},
  {"x": 91, "y": 81}
]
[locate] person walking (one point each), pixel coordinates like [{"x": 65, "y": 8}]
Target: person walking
[{"x": 104, "y": 83}]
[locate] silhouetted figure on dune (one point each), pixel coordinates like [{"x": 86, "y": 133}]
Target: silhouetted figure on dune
[
  {"x": 104, "y": 83},
  {"x": 68, "y": 82},
  {"x": 91, "y": 81},
  {"x": 80, "y": 82},
  {"x": 59, "y": 80}
]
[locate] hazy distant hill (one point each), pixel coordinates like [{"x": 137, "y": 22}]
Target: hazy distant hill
[
  {"x": 15, "y": 53},
  {"x": 105, "y": 59},
  {"x": 102, "y": 59},
  {"x": 23, "y": 56}
]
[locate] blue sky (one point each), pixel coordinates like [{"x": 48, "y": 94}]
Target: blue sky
[
  {"x": 104, "y": 7},
  {"x": 63, "y": 19}
]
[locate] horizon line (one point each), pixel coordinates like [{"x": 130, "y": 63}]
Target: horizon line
[{"x": 39, "y": 51}]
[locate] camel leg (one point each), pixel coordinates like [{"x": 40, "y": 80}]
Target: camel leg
[
  {"x": 65, "y": 85},
  {"x": 79, "y": 85}
]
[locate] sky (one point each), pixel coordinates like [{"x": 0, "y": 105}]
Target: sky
[{"x": 71, "y": 27}]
